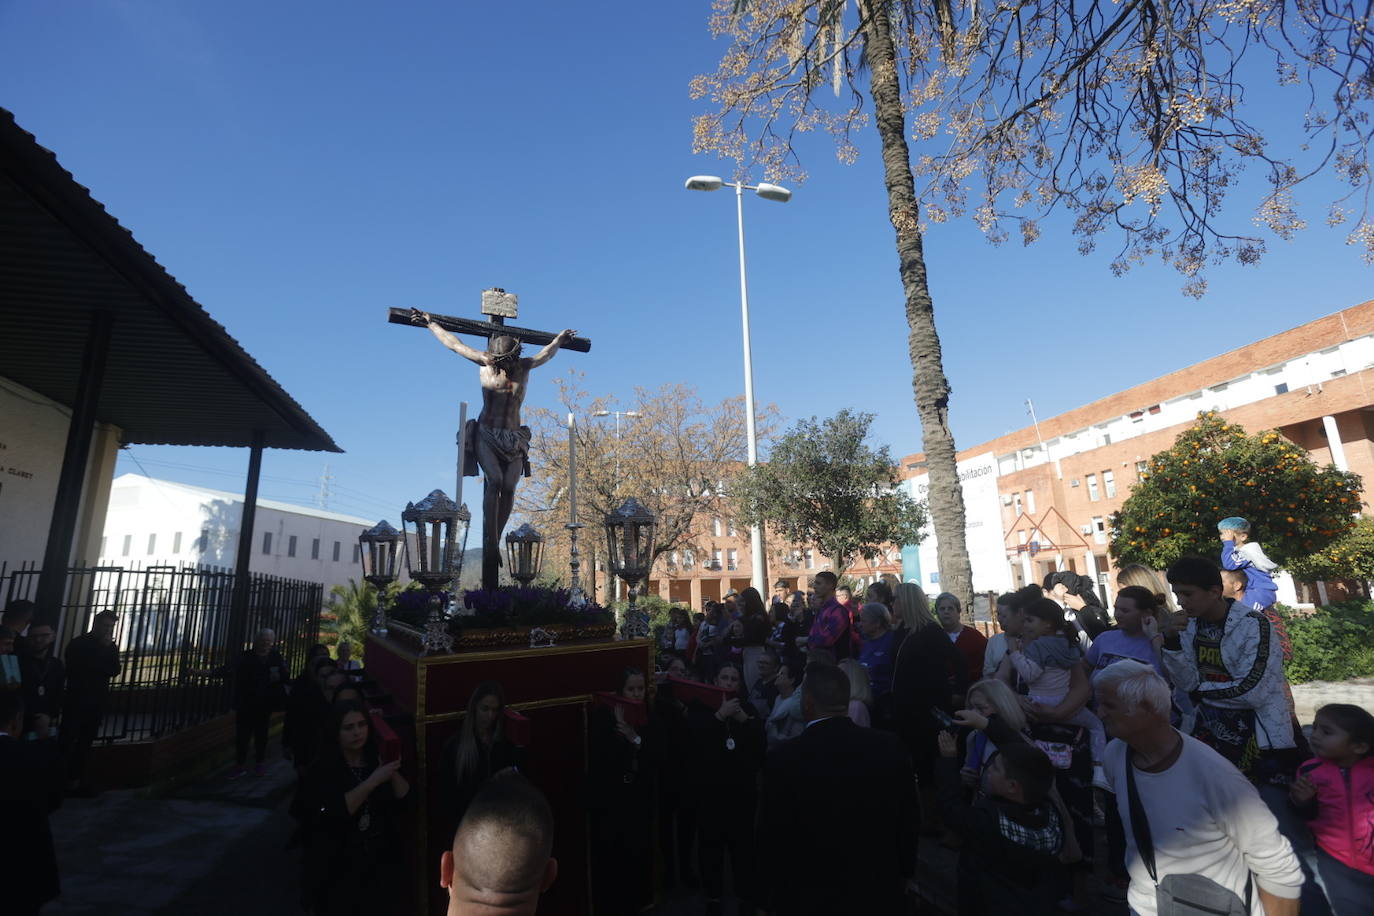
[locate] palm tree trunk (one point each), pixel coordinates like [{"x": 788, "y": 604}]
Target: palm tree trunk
[{"x": 928, "y": 373}]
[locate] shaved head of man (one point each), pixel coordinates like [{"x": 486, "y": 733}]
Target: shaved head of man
[{"x": 501, "y": 861}]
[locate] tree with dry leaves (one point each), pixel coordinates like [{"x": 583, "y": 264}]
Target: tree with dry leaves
[
  {"x": 1131, "y": 115},
  {"x": 678, "y": 456}
]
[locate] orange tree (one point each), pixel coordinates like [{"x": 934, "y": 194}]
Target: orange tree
[
  {"x": 1215, "y": 470},
  {"x": 1350, "y": 556}
]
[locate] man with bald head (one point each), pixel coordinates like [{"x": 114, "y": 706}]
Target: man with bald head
[{"x": 502, "y": 855}]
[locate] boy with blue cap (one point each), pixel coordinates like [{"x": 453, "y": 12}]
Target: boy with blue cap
[{"x": 1239, "y": 552}]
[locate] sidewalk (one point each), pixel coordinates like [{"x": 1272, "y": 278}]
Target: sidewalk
[
  {"x": 217, "y": 847},
  {"x": 1308, "y": 698}
]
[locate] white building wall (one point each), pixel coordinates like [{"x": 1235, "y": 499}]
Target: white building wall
[{"x": 157, "y": 522}]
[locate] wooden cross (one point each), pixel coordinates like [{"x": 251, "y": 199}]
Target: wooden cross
[{"x": 498, "y": 305}]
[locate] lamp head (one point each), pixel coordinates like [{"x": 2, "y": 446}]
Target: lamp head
[
  {"x": 773, "y": 192},
  {"x": 704, "y": 183}
]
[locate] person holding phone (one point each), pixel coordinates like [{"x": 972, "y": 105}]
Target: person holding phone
[{"x": 351, "y": 800}]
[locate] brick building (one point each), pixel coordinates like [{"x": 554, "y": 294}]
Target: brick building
[{"x": 1039, "y": 499}]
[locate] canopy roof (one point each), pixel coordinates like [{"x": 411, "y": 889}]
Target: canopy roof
[{"x": 174, "y": 375}]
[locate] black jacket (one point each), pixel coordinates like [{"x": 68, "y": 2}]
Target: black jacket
[
  {"x": 839, "y": 824},
  {"x": 259, "y": 681},
  {"x": 44, "y": 682},
  {"x": 90, "y": 665},
  {"x": 722, "y": 775},
  {"x": 926, "y": 671},
  {"x": 30, "y": 787}
]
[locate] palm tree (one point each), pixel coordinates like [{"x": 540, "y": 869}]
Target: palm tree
[{"x": 349, "y": 611}]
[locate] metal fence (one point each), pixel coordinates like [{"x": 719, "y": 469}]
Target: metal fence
[{"x": 173, "y": 624}]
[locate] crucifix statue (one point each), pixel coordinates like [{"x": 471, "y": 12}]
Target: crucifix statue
[{"x": 496, "y": 442}]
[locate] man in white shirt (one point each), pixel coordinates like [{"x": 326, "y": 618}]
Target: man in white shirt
[{"x": 1204, "y": 817}]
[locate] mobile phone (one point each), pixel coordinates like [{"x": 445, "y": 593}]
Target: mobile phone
[{"x": 944, "y": 718}]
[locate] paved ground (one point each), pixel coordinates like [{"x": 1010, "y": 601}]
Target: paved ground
[{"x": 214, "y": 846}]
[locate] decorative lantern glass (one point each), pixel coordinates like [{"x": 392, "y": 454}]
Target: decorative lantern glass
[
  {"x": 630, "y": 541},
  {"x": 379, "y": 548},
  {"x": 524, "y": 553},
  {"x": 441, "y": 536}
]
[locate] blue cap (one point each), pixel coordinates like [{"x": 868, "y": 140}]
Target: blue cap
[{"x": 1234, "y": 523}]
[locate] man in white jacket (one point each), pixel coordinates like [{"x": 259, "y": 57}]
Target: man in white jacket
[
  {"x": 1229, "y": 661},
  {"x": 1198, "y": 815}
]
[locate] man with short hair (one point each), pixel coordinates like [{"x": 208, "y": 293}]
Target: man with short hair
[
  {"x": 1009, "y": 614},
  {"x": 832, "y": 631},
  {"x": 18, "y": 615},
  {"x": 502, "y": 855},
  {"x": 1230, "y": 662},
  {"x": 763, "y": 693},
  {"x": 44, "y": 678},
  {"x": 860, "y": 845},
  {"x": 92, "y": 660},
  {"x": 260, "y": 675},
  {"x": 1185, "y": 811}
]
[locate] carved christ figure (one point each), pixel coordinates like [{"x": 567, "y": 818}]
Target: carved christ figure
[{"x": 497, "y": 439}]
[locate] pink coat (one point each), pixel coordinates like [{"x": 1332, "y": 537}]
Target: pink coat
[{"x": 1344, "y": 824}]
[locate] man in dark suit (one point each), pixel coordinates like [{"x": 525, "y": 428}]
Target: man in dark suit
[
  {"x": 30, "y": 787},
  {"x": 840, "y": 812}
]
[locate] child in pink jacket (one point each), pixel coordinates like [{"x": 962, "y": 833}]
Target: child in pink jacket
[{"x": 1335, "y": 791}]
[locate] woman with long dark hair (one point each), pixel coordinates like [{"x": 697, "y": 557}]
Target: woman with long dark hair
[
  {"x": 478, "y": 752},
  {"x": 352, "y": 862},
  {"x": 621, "y": 768},
  {"x": 751, "y": 634}
]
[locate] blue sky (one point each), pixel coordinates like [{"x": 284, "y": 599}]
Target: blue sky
[{"x": 302, "y": 167}]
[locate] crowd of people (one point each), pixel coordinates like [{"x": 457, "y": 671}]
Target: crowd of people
[{"x": 792, "y": 757}]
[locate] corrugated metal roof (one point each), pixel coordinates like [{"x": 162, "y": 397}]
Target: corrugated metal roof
[{"x": 174, "y": 375}]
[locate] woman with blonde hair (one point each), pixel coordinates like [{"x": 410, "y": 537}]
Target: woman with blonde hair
[
  {"x": 990, "y": 697},
  {"x": 1134, "y": 574},
  {"x": 860, "y": 692},
  {"x": 910, "y": 609}
]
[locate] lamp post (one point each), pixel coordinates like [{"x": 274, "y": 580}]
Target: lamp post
[
  {"x": 576, "y": 596},
  {"x": 379, "y": 548},
  {"x": 627, "y": 414},
  {"x": 630, "y": 546},
  {"x": 524, "y": 553},
  {"x": 759, "y": 577},
  {"x": 439, "y": 551}
]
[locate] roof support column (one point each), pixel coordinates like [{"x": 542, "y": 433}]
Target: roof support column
[
  {"x": 238, "y": 609},
  {"x": 52, "y": 580}
]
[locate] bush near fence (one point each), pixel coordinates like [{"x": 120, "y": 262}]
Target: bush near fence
[{"x": 1332, "y": 643}]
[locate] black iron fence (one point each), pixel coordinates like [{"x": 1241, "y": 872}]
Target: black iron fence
[{"x": 174, "y": 623}]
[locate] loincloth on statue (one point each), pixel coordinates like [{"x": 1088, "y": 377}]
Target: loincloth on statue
[{"x": 509, "y": 445}]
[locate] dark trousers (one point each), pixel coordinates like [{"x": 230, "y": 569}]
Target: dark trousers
[
  {"x": 80, "y": 725},
  {"x": 251, "y": 722},
  {"x": 1349, "y": 890},
  {"x": 677, "y": 834},
  {"x": 727, "y": 825}
]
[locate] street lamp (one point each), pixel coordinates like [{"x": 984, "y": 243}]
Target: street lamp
[
  {"x": 525, "y": 553},
  {"x": 379, "y": 548},
  {"x": 780, "y": 195},
  {"x": 627, "y": 414},
  {"x": 630, "y": 545},
  {"x": 437, "y": 521}
]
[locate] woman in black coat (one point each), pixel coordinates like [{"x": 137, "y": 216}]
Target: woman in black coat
[
  {"x": 677, "y": 821},
  {"x": 622, "y": 768},
  {"x": 927, "y": 673},
  {"x": 478, "y": 752},
  {"x": 352, "y": 800},
  {"x": 726, "y": 748}
]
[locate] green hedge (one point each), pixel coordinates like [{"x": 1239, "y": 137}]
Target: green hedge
[{"x": 1333, "y": 643}]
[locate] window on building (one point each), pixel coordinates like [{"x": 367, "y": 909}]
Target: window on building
[
  {"x": 291, "y": 546},
  {"x": 715, "y": 558},
  {"x": 1338, "y": 373},
  {"x": 176, "y": 543},
  {"x": 1142, "y": 469},
  {"x": 1138, "y": 416},
  {"x": 732, "y": 559},
  {"x": 337, "y": 547},
  {"x": 315, "y": 549},
  {"x": 689, "y": 559},
  {"x": 1030, "y": 501},
  {"x": 1281, "y": 388},
  {"x": 267, "y": 542},
  {"x": 810, "y": 559},
  {"x": 128, "y": 544},
  {"x": 672, "y": 558},
  {"x": 152, "y": 544},
  {"x": 1154, "y": 410},
  {"x": 1016, "y": 503},
  {"x": 1099, "y": 530},
  {"x": 1093, "y": 494},
  {"x": 1109, "y": 484},
  {"x": 1021, "y": 536},
  {"x": 715, "y": 527},
  {"x": 731, "y": 528},
  {"x": 355, "y": 553}
]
